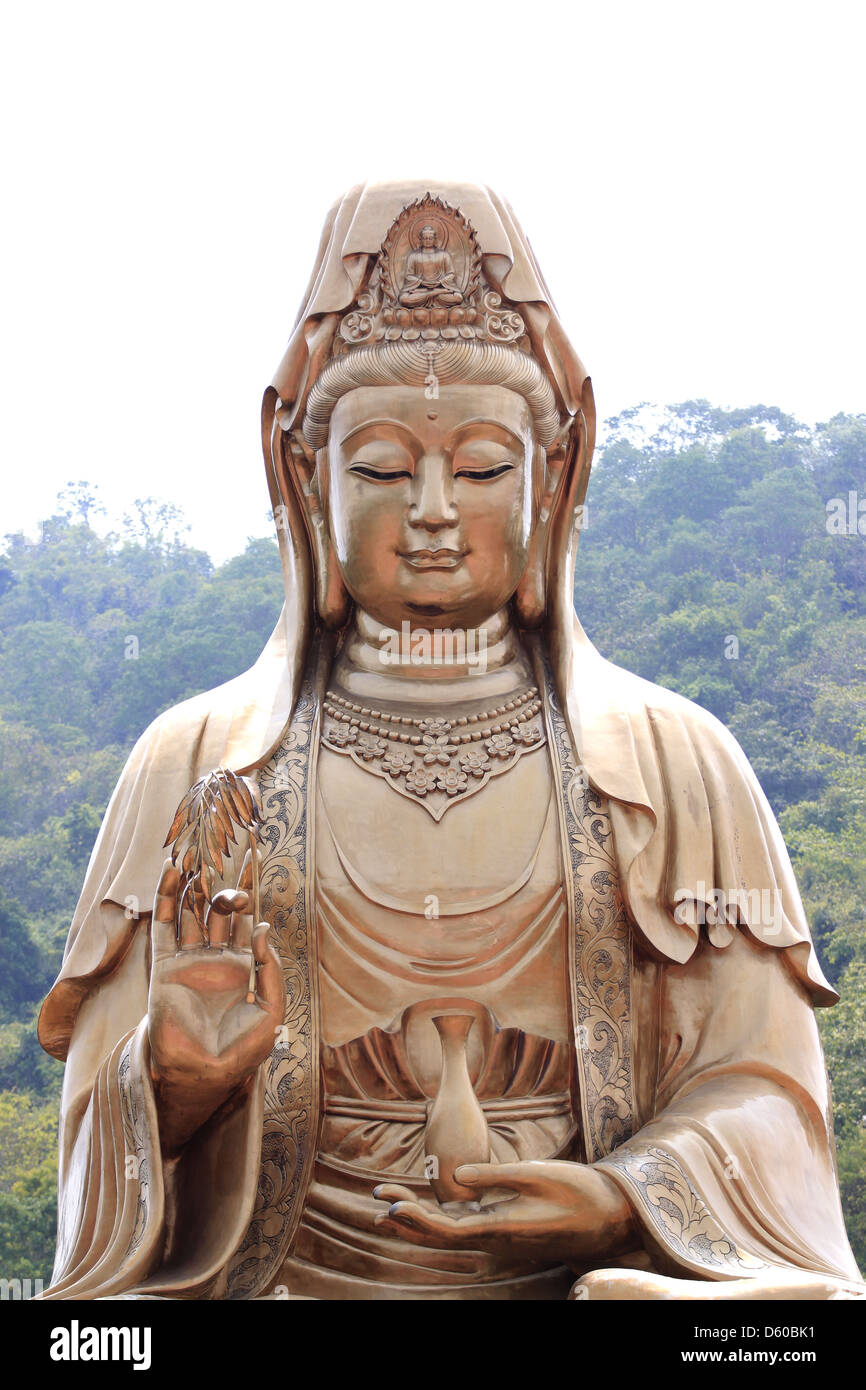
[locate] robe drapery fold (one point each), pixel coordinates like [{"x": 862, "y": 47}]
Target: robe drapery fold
[
  {"x": 734, "y": 1175},
  {"x": 111, "y": 1236},
  {"x": 131, "y": 1225}
]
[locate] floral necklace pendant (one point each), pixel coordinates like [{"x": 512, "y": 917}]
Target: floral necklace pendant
[{"x": 435, "y": 762}]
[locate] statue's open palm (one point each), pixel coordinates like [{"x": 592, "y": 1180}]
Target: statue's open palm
[{"x": 206, "y": 1036}]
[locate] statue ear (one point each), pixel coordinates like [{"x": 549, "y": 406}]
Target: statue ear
[
  {"x": 308, "y": 473},
  {"x": 531, "y": 597}
]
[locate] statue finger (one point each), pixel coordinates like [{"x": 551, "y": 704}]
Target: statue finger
[
  {"x": 220, "y": 914},
  {"x": 525, "y": 1177},
  {"x": 242, "y": 922},
  {"x": 245, "y": 880},
  {"x": 191, "y": 934},
  {"x": 404, "y": 1229},
  {"x": 433, "y": 1227},
  {"x": 386, "y": 1226},
  {"x": 270, "y": 985},
  {"x": 392, "y": 1192},
  {"x": 163, "y": 932}
]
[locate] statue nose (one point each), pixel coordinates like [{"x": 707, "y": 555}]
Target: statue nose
[{"x": 432, "y": 507}]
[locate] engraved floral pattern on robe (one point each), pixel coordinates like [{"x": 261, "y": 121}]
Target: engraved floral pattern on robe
[
  {"x": 135, "y": 1146},
  {"x": 682, "y": 1218},
  {"x": 292, "y": 1081},
  {"x": 601, "y": 958}
]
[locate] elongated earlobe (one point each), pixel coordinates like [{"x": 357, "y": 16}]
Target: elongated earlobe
[
  {"x": 307, "y": 472},
  {"x": 530, "y": 600}
]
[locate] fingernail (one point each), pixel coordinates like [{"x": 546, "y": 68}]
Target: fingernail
[{"x": 466, "y": 1173}]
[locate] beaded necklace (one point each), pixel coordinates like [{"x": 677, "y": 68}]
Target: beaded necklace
[{"x": 434, "y": 761}]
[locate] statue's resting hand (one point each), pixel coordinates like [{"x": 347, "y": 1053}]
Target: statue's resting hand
[
  {"x": 563, "y": 1211},
  {"x": 206, "y": 1038}
]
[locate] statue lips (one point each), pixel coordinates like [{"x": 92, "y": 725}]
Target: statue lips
[{"x": 440, "y": 559}]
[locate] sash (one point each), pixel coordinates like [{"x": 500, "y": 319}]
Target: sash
[
  {"x": 292, "y": 1073},
  {"x": 600, "y": 945}
]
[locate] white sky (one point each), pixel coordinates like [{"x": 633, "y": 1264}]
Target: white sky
[{"x": 691, "y": 176}]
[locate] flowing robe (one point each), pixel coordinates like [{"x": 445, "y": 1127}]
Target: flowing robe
[{"x": 699, "y": 1075}]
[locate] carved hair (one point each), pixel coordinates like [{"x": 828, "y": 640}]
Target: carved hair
[{"x": 464, "y": 362}]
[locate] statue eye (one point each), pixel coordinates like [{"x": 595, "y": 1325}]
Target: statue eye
[
  {"x": 483, "y": 475},
  {"x": 381, "y": 460},
  {"x": 379, "y": 475},
  {"x": 482, "y": 458}
]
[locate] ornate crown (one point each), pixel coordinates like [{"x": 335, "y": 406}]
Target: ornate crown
[
  {"x": 428, "y": 286},
  {"x": 428, "y": 315}
]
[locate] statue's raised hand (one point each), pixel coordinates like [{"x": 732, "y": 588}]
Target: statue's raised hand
[{"x": 206, "y": 1037}]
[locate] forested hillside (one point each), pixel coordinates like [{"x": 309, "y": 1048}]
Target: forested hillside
[{"x": 721, "y": 556}]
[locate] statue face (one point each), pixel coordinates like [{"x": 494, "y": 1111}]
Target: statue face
[{"x": 430, "y": 502}]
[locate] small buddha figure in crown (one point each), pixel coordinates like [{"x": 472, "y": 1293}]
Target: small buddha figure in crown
[{"x": 430, "y": 277}]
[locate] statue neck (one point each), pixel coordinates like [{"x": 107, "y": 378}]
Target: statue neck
[{"x": 419, "y": 667}]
